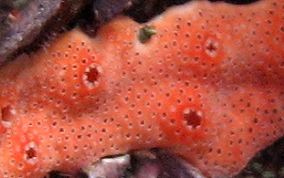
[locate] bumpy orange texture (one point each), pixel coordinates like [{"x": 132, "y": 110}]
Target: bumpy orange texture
[{"x": 208, "y": 86}]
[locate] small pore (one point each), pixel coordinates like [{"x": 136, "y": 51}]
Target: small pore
[
  {"x": 192, "y": 118},
  {"x": 91, "y": 76}
]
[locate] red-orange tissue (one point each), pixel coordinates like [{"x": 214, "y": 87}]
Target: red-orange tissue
[{"x": 207, "y": 84}]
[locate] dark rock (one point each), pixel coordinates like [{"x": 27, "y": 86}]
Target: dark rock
[
  {"x": 105, "y": 10},
  {"x": 22, "y": 23}
]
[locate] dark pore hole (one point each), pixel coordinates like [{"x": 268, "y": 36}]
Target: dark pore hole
[
  {"x": 6, "y": 113},
  {"x": 192, "y": 117},
  {"x": 211, "y": 47},
  {"x": 92, "y": 74},
  {"x": 31, "y": 153}
]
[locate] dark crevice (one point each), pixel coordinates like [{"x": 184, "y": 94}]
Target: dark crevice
[
  {"x": 57, "y": 174},
  {"x": 236, "y": 1},
  {"x": 267, "y": 163},
  {"x": 143, "y": 10}
]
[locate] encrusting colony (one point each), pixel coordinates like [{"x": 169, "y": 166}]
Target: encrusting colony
[{"x": 207, "y": 86}]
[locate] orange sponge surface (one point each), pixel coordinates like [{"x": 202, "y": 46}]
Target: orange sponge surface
[{"x": 207, "y": 86}]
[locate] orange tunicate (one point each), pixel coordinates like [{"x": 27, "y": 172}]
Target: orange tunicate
[{"x": 208, "y": 86}]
